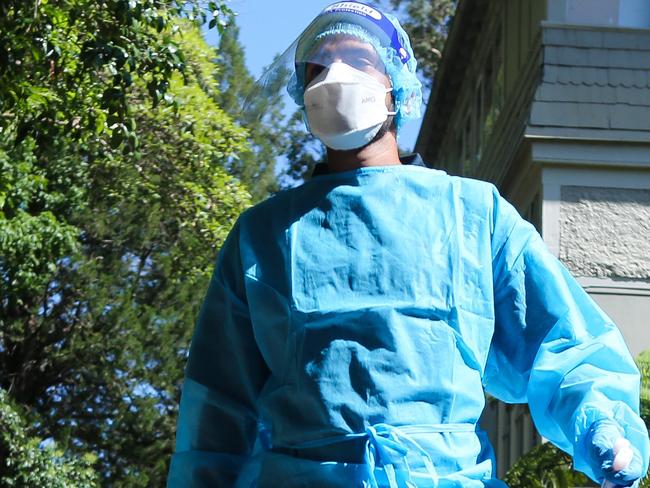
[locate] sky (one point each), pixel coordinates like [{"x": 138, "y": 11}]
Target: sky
[{"x": 268, "y": 27}]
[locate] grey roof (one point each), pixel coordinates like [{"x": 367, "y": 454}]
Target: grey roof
[
  {"x": 583, "y": 82},
  {"x": 595, "y": 82}
]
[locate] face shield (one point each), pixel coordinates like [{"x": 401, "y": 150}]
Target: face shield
[
  {"x": 355, "y": 35},
  {"x": 336, "y": 45}
]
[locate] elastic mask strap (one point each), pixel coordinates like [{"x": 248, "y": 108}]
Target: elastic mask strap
[{"x": 388, "y": 90}]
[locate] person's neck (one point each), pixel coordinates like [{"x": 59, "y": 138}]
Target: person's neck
[{"x": 382, "y": 152}]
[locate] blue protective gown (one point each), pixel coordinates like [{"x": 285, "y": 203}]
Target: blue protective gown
[{"x": 352, "y": 323}]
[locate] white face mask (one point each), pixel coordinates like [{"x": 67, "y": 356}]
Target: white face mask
[{"x": 345, "y": 107}]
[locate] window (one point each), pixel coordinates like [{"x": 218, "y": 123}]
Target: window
[
  {"x": 624, "y": 13},
  {"x": 478, "y": 125},
  {"x": 592, "y": 12},
  {"x": 480, "y": 119},
  {"x": 493, "y": 88},
  {"x": 634, "y": 13},
  {"x": 468, "y": 146},
  {"x": 533, "y": 213}
]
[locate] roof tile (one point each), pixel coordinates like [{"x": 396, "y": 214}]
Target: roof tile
[
  {"x": 580, "y": 94},
  {"x": 620, "y": 77},
  {"x": 632, "y": 96},
  {"x": 568, "y": 114},
  {"x": 626, "y": 40},
  {"x": 640, "y": 77},
  {"x": 550, "y": 73},
  {"x": 629, "y": 117}
]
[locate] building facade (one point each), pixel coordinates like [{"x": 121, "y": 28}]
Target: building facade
[{"x": 550, "y": 101}]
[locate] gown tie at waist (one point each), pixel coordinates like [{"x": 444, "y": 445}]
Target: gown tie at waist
[{"x": 387, "y": 447}]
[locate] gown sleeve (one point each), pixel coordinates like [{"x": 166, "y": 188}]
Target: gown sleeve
[
  {"x": 225, "y": 372},
  {"x": 553, "y": 347}
]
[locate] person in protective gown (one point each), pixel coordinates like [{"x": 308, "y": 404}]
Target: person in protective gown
[{"x": 353, "y": 323}]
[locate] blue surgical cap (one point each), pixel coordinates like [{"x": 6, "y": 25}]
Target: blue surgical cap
[{"x": 407, "y": 89}]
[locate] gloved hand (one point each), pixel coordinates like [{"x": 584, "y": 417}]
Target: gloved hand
[{"x": 612, "y": 457}]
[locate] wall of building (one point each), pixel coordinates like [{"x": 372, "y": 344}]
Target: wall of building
[
  {"x": 622, "y": 13},
  {"x": 521, "y": 26},
  {"x": 605, "y": 231},
  {"x": 595, "y": 85},
  {"x": 596, "y": 219},
  {"x": 495, "y": 93}
]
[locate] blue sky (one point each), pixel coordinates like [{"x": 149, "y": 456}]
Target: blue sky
[{"x": 268, "y": 27}]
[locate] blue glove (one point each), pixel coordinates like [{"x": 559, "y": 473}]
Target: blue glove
[{"x": 604, "y": 440}]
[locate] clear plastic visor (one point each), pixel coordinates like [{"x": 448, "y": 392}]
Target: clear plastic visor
[
  {"x": 307, "y": 57},
  {"x": 341, "y": 48}
]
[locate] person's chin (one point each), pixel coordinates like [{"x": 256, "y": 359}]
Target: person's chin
[{"x": 383, "y": 130}]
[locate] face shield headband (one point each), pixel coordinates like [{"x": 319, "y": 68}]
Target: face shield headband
[{"x": 371, "y": 19}]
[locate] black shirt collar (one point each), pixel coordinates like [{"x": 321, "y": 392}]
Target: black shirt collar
[{"x": 412, "y": 159}]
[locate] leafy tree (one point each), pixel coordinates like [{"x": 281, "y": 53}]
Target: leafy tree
[
  {"x": 25, "y": 464},
  {"x": 302, "y": 151},
  {"x": 427, "y": 24},
  {"x": 114, "y": 199},
  {"x": 545, "y": 466},
  {"x": 52, "y": 48},
  {"x": 261, "y": 115},
  {"x": 643, "y": 361}
]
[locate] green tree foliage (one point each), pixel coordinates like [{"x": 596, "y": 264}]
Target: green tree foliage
[
  {"x": 76, "y": 51},
  {"x": 261, "y": 116},
  {"x": 427, "y": 24},
  {"x": 113, "y": 203},
  {"x": 302, "y": 151},
  {"x": 643, "y": 361},
  {"x": 545, "y": 466},
  {"x": 25, "y": 464}
]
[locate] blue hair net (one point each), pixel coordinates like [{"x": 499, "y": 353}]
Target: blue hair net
[{"x": 407, "y": 89}]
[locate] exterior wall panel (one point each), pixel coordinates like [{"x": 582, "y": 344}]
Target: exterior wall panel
[
  {"x": 628, "y": 305},
  {"x": 605, "y": 232}
]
